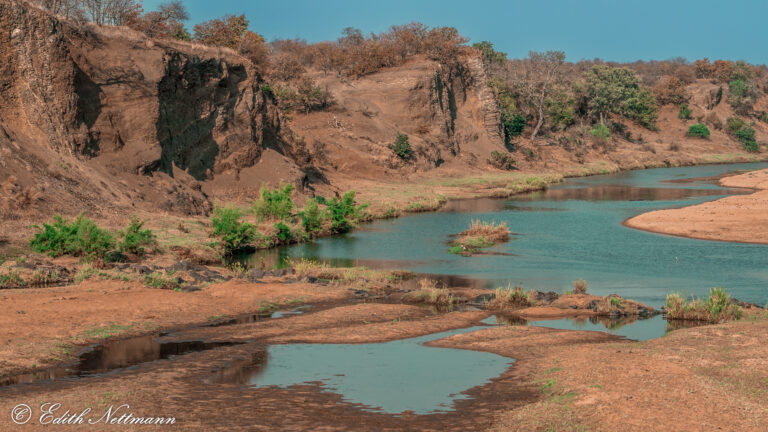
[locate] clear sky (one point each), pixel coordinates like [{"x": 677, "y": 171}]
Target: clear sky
[{"x": 619, "y": 30}]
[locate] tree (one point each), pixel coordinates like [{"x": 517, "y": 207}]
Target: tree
[
  {"x": 351, "y": 36},
  {"x": 670, "y": 90},
  {"x": 227, "y": 31},
  {"x": 617, "y": 90},
  {"x": 69, "y": 9},
  {"x": 325, "y": 56},
  {"x": 539, "y": 76},
  {"x": 443, "y": 44},
  {"x": 166, "y": 22},
  {"x": 114, "y": 12},
  {"x": 254, "y": 48},
  {"x": 286, "y": 67},
  {"x": 174, "y": 10},
  {"x": 401, "y": 147},
  {"x": 408, "y": 39},
  {"x": 490, "y": 55}
]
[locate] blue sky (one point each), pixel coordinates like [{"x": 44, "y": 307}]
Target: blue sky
[{"x": 625, "y": 30}]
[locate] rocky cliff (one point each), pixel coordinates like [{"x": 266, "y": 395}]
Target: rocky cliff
[{"x": 120, "y": 107}]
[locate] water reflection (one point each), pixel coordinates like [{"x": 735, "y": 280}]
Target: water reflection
[
  {"x": 397, "y": 376},
  {"x": 116, "y": 355},
  {"x": 631, "y": 327}
]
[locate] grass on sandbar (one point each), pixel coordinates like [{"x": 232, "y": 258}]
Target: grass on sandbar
[{"x": 480, "y": 235}]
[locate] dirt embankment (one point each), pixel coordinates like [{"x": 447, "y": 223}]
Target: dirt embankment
[{"x": 735, "y": 218}]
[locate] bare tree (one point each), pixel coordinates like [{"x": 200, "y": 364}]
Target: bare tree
[
  {"x": 536, "y": 79},
  {"x": 174, "y": 10},
  {"x": 114, "y": 12},
  {"x": 66, "y": 8}
]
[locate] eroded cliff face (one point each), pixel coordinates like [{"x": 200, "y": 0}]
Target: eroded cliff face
[
  {"x": 449, "y": 114},
  {"x": 122, "y": 105}
]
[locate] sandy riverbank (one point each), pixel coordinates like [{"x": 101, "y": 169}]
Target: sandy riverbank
[{"x": 737, "y": 218}]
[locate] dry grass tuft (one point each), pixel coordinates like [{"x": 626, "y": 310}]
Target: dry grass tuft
[
  {"x": 511, "y": 297},
  {"x": 580, "y": 286},
  {"x": 429, "y": 293},
  {"x": 309, "y": 268}
]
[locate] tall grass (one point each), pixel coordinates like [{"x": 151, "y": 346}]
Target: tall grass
[{"x": 718, "y": 307}]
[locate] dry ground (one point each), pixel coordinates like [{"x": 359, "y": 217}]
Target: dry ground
[{"x": 700, "y": 379}]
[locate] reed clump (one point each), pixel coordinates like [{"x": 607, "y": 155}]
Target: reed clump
[{"x": 718, "y": 307}]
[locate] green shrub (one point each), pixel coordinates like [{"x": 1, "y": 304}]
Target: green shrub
[
  {"x": 516, "y": 125},
  {"x": 742, "y": 95},
  {"x": 81, "y": 237},
  {"x": 11, "y": 280},
  {"x": 234, "y": 235},
  {"x": 312, "y": 216},
  {"x": 135, "y": 239},
  {"x": 642, "y": 108},
  {"x": 685, "y": 112},
  {"x": 743, "y": 132},
  {"x": 401, "y": 147},
  {"x": 274, "y": 205},
  {"x": 501, "y": 161},
  {"x": 763, "y": 117},
  {"x": 283, "y": 232},
  {"x": 699, "y": 130},
  {"x": 601, "y": 131},
  {"x": 746, "y": 136},
  {"x": 734, "y": 124},
  {"x": 344, "y": 212}
]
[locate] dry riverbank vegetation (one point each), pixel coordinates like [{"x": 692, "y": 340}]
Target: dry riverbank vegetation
[{"x": 718, "y": 307}]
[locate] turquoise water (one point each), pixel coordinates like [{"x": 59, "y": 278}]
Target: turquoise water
[
  {"x": 572, "y": 231},
  {"x": 392, "y": 377}
]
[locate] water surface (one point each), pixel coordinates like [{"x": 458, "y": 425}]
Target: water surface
[
  {"x": 627, "y": 327},
  {"x": 572, "y": 231},
  {"x": 392, "y": 377}
]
